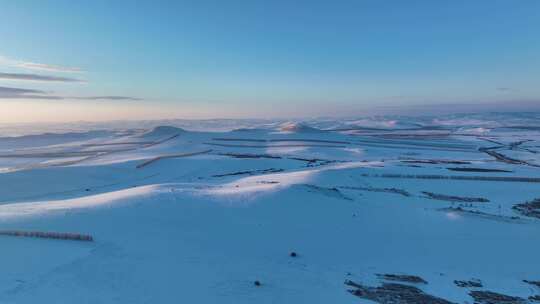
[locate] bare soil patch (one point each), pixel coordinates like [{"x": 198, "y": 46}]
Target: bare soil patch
[
  {"x": 473, "y": 283},
  {"x": 530, "y": 209},
  {"x": 401, "y": 278},
  {"x": 455, "y": 199},
  {"x": 489, "y": 297},
  {"x": 393, "y": 293}
]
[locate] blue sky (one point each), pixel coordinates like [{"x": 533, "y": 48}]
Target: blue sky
[{"x": 154, "y": 59}]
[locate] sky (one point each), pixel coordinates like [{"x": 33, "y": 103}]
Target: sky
[{"x": 114, "y": 60}]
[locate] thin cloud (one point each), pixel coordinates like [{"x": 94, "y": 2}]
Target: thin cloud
[
  {"x": 36, "y": 77},
  {"x": 48, "y": 67},
  {"x": 15, "y": 91},
  {"x": 20, "y": 93},
  {"x": 504, "y": 89},
  {"x": 128, "y": 98},
  {"x": 38, "y": 66}
]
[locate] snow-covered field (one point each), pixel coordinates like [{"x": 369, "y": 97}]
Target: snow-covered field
[{"x": 429, "y": 210}]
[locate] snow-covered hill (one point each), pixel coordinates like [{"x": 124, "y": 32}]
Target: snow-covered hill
[{"x": 422, "y": 210}]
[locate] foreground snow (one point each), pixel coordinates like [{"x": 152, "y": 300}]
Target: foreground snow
[{"x": 202, "y": 227}]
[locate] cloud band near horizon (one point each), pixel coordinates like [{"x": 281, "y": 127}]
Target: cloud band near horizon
[
  {"x": 37, "y": 77},
  {"x": 20, "y": 93},
  {"x": 38, "y": 66}
]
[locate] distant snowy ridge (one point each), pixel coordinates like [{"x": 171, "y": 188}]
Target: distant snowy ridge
[{"x": 295, "y": 127}]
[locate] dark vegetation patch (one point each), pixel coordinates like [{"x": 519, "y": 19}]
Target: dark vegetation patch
[
  {"x": 393, "y": 293},
  {"x": 535, "y": 298},
  {"x": 436, "y": 161},
  {"x": 310, "y": 140},
  {"x": 330, "y": 192},
  {"x": 416, "y": 142},
  {"x": 245, "y": 155},
  {"x": 119, "y": 143},
  {"x": 273, "y": 146},
  {"x": 158, "y": 158},
  {"x": 239, "y": 139},
  {"x": 530, "y": 128},
  {"x": 413, "y": 137},
  {"x": 411, "y": 166},
  {"x": 453, "y": 198},
  {"x": 489, "y": 297},
  {"x": 314, "y": 162},
  {"x": 281, "y": 140},
  {"x": 401, "y": 278},
  {"x": 478, "y": 170},
  {"x": 481, "y": 214},
  {"x": 506, "y": 159},
  {"x": 530, "y": 209},
  {"x": 535, "y": 283},
  {"x": 516, "y": 144},
  {"x": 491, "y": 141},
  {"x": 459, "y": 177},
  {"x": 50, "y": 154},
  {"x": 394, "y": 144},
  {"x": 530, "y": 150},
  {"x": 468, "y": 283},
  {"x": 311, "y": 162},
  {"x": 161, "y": 141},
  {"x": 372, "y": 189},
  {"x": 251, "y": 172},
  {"x": 501, "y": 157}
]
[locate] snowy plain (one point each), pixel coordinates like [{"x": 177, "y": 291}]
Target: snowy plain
[{"x": 197, "y": 211}]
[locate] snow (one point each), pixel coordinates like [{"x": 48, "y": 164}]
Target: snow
[
  {"x": 295, "y": 127},
  {"x": 275, "y": 181},
  {"x": 10, "y": 211},
  {"x": 202, "y": 228}
]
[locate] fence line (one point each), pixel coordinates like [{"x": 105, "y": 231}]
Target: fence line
[{"x": 48, "y": 235}]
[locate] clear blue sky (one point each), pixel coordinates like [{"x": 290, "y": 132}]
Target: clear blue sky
[{"x": 256, "y": 58}]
